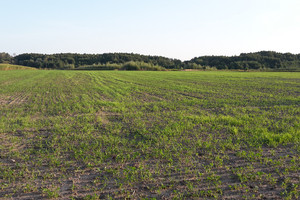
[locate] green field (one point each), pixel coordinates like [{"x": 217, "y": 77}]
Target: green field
[{"x": 149, "y": 135}]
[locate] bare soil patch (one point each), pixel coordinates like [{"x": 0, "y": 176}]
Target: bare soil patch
[{"x": 13, "y": 100}]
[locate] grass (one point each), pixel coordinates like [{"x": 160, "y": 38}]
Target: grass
[
  {"x": 6, "y": 67},
  {"x": 149, "y": 135}
]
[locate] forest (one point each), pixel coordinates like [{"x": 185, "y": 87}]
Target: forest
[{"x": 262, "y": 60}]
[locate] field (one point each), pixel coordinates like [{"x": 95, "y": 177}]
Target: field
[
  {"x": 149, "y": 135},
  {"x": 5, "y": 67}
]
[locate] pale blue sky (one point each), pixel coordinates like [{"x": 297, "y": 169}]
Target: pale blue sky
[{"x": 174, "y": 28}]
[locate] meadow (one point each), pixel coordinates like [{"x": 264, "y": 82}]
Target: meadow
[{"x": 149, "y": 135}]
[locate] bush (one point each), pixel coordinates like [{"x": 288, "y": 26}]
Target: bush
[
  {"x": 107, "y": 66},
  {"x": 126, "y": 66},
  {"x": 131, "y": 66},
  {"x": 141, "y": 66}
]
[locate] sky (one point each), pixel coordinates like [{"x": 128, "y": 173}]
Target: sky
[{"x": 172, "y": 28}]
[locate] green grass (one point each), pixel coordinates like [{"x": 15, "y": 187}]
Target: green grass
[
  {"x": 6, "y": 67},
  {"x": 149, "y": 135}
]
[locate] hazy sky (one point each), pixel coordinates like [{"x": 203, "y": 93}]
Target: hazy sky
[{"x": 174, "y": 28}]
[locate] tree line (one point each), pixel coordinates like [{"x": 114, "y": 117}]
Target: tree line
[
  {"x": 131, "y": 61},
  {"x": 257, "y": 60},
  {"x": 109, "y": 60}
]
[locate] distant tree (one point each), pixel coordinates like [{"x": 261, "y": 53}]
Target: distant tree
[{"x": 5, "y": 58}]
